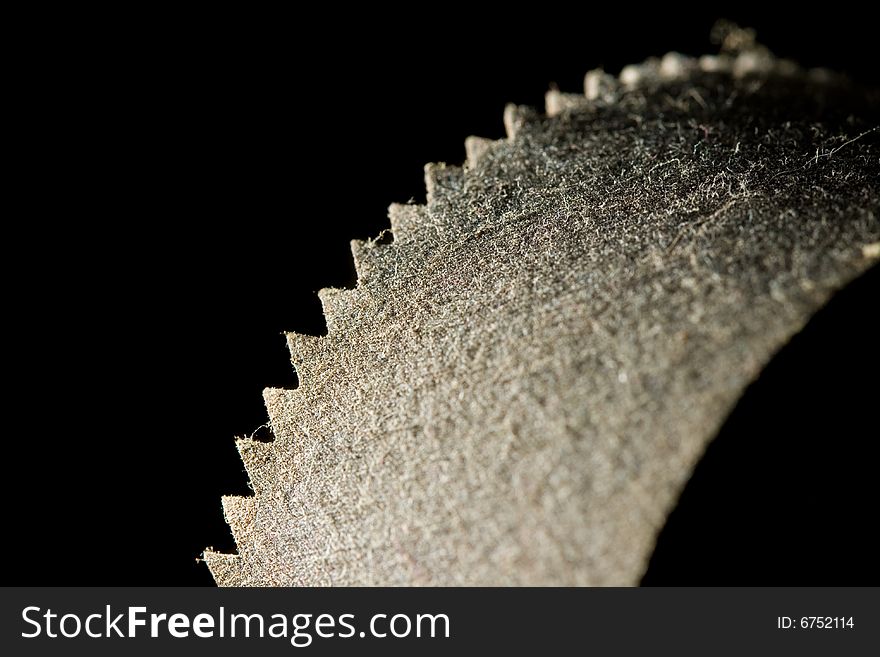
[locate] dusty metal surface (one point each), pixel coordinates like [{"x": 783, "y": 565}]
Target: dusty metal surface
[{"x": 523, "y": 380}]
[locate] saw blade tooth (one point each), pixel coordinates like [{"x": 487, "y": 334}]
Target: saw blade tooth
[
  {"x": 374, "y": 258},
  {"x": 282, "y": 404},
  {"x": 715, "y": 63},
  {"x": 241, "y": 516},
  {"x": 361, "y": 254},
  {"x": 442, "y": 181},
  {"x": 517, "y": 116},
  {"x": 475, "y": 148},
  {"x": 406, "y": 218},
  {"x": 337, "y": 304},
  {"x": 636, "y": 74},
  {"x": 556, "y": 102},
  {"x": 674, "y": 66},
  {"x": 259, "y": 460},
  {"x": 305, "y": 351},
  {"x": 226, "y": 569},
  {"x": 599, "y": 85}
]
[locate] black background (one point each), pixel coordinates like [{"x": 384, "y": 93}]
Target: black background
[{"x": 189, "y": 182}]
